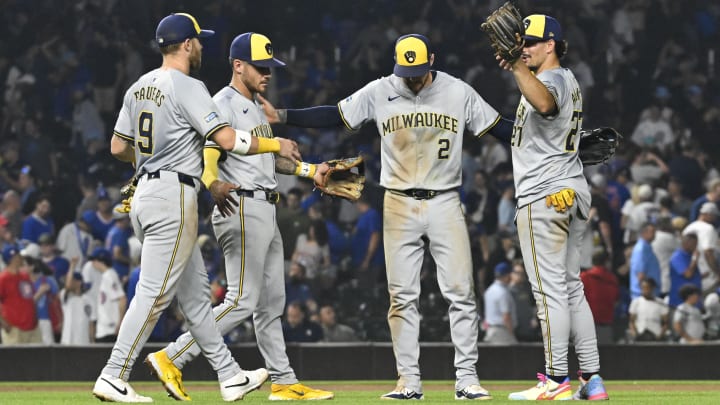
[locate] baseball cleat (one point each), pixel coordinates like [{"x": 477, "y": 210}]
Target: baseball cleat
[
  {"x": 113, "y": 389},
  {"x": 592, "y": 389},
  {"x": 170, "y": 376},
  {"x": 243, "y": 382},
  {"x": 403, "y": 393},
  {"x": 546, "y": 389},
  {"x": 474, "y": 392},
  {"x": 297, "y": 392}
]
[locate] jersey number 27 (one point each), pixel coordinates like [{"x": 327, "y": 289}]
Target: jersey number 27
[{"x": 576, "y": 123}]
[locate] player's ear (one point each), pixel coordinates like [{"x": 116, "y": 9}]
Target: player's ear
[{"x": 432, "y": 59}]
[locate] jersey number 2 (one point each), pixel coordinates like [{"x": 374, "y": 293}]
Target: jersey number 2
[
  {"x": 576, "y": 123},
  {"x": 443, "y": 152},
  {"x": 145, "y": 133}
]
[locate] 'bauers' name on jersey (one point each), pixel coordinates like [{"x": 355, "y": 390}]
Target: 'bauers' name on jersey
[
  {"x": 420, "y": 120},
  {"x": 262, "y": 131},
  {"x": 150, "y": 93}
]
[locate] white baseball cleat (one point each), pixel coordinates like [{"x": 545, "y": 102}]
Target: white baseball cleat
[
  {"x": 113, "y": 389},
  {"x": 243, "y": 382}
]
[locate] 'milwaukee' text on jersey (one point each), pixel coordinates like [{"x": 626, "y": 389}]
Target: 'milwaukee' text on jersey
[
  {"x": 420, "y": 120},
  {"x": 150, "y": 93}
]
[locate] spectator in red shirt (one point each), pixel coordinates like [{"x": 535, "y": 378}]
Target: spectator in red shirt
[
  {"x": 602, "y": 292},
  {"x": 18, "y": 320}
]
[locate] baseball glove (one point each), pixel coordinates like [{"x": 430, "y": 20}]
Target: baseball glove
[
  {"x": 341, "y": 181},
  {"x": 598, "y": 145},
  {"x": 505, "y": 28},
  {"x": 127, "y": 191}
]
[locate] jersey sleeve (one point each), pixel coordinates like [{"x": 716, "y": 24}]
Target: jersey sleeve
[
  {"x": 123, "y": 126},
  {"x": 480, "y": 116},
  {"x": 555, "y": 84},
  {"x": 198, "y": 107},
  {"x": 359, "y": 108}
]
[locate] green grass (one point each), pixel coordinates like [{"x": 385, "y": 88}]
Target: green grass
[{"x": 361, "y": 392}]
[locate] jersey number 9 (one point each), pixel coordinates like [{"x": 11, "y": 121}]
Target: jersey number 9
[{"x": 145, "y": 133}]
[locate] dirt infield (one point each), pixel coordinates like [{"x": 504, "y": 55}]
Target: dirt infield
[{"x": 366, "y": 387}]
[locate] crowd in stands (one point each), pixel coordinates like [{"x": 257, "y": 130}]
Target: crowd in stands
[{"x": 646, "y": 67}]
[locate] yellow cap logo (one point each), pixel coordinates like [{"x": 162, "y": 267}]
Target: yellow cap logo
[
  {"x": 535, "y": 26},
  {"x": 260, "y": 47},
  {"x": 411, "y": 51}
]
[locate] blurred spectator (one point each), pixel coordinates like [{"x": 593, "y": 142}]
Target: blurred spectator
[
  {"x": 648, "y": 314},
  {"x": 297, "y": 328},
  {"x": 712, "y": 309},
  {"x": 49, "y": 255},
  {"x": 10, "y": 165},
  {"x": 87, "y": 125},
  {"x": 506, "y": 210},
  {"x": 598, "y": 233},
  {"x": 681, "y": 205},
  {"x": 687, "y": 319},
  {"x": 602, "y": 293},
  {"x": 332, "y": 330},
  {"x": 18, "y": 319},
  {"x": 112, "y": 302},
  {"x": 296, "y": 287},
  {"x": 493, "y": 153},
  {"x": 684, "y": 268},
  {"x": 312, "y": 251},
  {"x": 368, "y": 258},
  {"x": 78, "y": 315},
  {"x": 28, "y": 190},
  {"x": 291, "y": 221},
  {"x": 500, "y": 311},
  {"x": 89, "y": 192},
  {"x": 644, "y": 211},
  {"x": 643, "y": 262},
  {"x": 101, "y": 220},
  {"x": 74, "y": 241},
  {"x": 527, "y": 329},
  {"x": 37, "y": 151},
  {"x": 707, "y": 237},
  {"x": 664, "y": 244},
  {"x": 652, "y": 131},
  {"x": 116, "y": 242},
  {"x": 712, "y": 195},
  {"x": 481, "y": 203},
  {"x": 686, "y": 168},
  {"x": 39, "y": 222},
  {"x": 46, "y": 289},
  {"x": 11, "y": 211},
  {"x": 648, "y": 167}
]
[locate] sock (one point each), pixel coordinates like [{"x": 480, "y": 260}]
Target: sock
[
  {"x": 586, "y": 376},
  {"x": 557, "y": 378}
]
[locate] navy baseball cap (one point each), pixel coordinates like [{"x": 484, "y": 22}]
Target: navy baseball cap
[
  {"x": 101, "y": 254},
  {"x": 10, "y": 251},
  {"x": 540, "y": 27},
  {"x": 502, "y": 269},
  {"x": 412, "y": 55},
  {"x": 255, "y": 49},
  {"x": 178, "y": 27}
]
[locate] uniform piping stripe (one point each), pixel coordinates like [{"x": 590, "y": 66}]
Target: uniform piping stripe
[
  {"x": 483, "y": 132},
  {"x": 342, "y": 117},
  {"x": 167, "y": 276},
  {"x": 215, "y": 129},
  {"x": 234, "y": 305},
  {"x": 544, "y": 299},
  {"x": 124, "y": 137}
]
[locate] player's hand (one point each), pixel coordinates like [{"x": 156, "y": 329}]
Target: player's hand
[
  {"x": 319, "y": 177},
  {"x": 223, "y": 195},
  {"x": 562, "y": 200},
  {"x": 289, "y": 149},
  {"x": 271, "y": 113}
]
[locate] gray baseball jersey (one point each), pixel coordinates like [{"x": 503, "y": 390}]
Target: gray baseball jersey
[
  {"x": 169, "y": 102},
  {"x": 545, "y": 161},
  {"x": 254, "y": 264},
  {"x": 421, "y": 148},
  {"x": 166, "y": 115}
]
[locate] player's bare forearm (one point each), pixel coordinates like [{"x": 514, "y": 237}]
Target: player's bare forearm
[
  {"x": 121, "y": 149},
  {"x": 533, "y": 89},
  {"x": 284, "y": 165}
]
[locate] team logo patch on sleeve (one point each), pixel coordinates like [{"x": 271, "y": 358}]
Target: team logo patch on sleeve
[{"x": 211, "y": 116}]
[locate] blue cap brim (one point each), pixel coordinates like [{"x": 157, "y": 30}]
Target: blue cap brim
[
  {"x": 206, "y": 33},
  {"x": 411, "y": 71},
  {"x": 272, "y": 62}
]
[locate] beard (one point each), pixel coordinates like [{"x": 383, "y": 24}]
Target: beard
[{"x": 195, "y": 61}]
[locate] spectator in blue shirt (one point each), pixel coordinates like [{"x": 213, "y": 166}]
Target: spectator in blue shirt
[
  {"x": 49, "y": 254},
  {"x": 116, "y": 242},
  {"x": 298, "y": 328},
  {"x": 684, "y": 269},
  {"x": 643, "y": 262},
  {"x": 712, "y": 195},
  {"x": 367, "y": 246},
  {"x": 297, "y": 288},
  {"x": 101, "y": 220},
  {"x": 38, "y": 222}
]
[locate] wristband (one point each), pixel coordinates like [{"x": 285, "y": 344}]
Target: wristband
[
  {"x": 265, "y": 145},
  {"x": 242, "y": 142},
  {"x": 305, "y": 170}
]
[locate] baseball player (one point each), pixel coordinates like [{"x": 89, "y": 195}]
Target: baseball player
[
  {"x": 421, "y": 115},
  {"x": 553, "y": 204},
  {"x": 165, "y": 119},
  {"x": 253, "y": 264}
]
